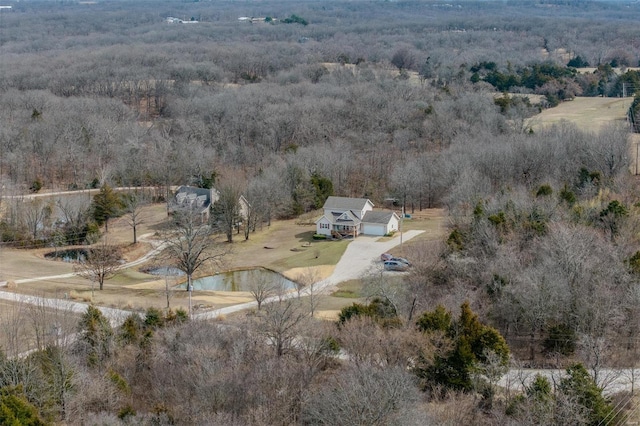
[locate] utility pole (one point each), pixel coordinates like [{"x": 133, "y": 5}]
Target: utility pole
[
  {"x": 401, "y": 229},
  {"x": 637, "y": 145}
]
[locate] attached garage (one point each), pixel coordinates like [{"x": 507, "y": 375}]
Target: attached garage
[
  {"x": 373, "y": 229},
  {"x": 380, "y": 222}
]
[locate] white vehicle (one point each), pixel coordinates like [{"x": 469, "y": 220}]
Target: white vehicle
[{"x": 394, "y": 265}]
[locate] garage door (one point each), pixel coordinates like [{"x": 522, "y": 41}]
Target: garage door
[{"x": 373, "y": 229}]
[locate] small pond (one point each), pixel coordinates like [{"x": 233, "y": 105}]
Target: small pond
[
  {"x": 240, "y": 280},
  {"x": 169, "y": 271},
  {"x": 69, "y": 255}
]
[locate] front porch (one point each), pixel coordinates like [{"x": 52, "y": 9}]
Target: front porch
[{"x": 342, "y": 231}]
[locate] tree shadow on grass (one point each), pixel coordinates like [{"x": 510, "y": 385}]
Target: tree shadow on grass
[{"x": 305, "y": 237}]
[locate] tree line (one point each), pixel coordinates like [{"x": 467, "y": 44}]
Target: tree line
[{"x": 281, "y": 363}]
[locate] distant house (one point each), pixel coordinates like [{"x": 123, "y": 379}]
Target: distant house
[
  {"x": 172, "y": 20},
  {"x": 199, "y": 200},
  {"x": 190, "y": 198},
  {"x": 354, "y": 216}
]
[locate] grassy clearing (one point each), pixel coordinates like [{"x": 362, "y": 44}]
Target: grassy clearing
[
  {"x": 128, "y": 277},
  {"x": 318, "y": 253},
  {"x": 590, "y": 114},
  {"x": 349, "y": 290}
]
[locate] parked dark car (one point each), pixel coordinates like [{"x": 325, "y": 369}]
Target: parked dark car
[
  {"x": 393, "y": 265},
  {"x": 401, "y": 260}
]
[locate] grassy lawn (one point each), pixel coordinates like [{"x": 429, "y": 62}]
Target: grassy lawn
[
  {"x": 348, "y": 290},
  {"x": 318, "y": 253},
  {"x": 130, "y": 276}
]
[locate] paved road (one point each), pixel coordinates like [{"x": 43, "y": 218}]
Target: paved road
[
  {"x": 610, "y": 380},
  {"x": 87, "y": 192}
]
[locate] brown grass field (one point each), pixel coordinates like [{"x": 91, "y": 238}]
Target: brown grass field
[{"x": 589, "y": 114}]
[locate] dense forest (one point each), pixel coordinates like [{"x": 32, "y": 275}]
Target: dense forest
[{"x": 405, "y": 100}]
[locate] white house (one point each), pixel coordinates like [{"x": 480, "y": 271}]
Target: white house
[{"x": 355, "y": 216}]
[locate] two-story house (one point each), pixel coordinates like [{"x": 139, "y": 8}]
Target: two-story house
[{"x": 355, "y": 216}]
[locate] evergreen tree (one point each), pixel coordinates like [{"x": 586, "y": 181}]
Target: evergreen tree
[
  {"x": 16, "y": 410},
  {"x": 472, "y": 344},
  {"x": 579, "y": 387},
  {"x": 95, "y": 336},
  {"x": 323, "y": 188},
  {"x": 106, "y": 204}
]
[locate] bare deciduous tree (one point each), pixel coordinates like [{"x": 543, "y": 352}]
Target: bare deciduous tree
[
  {"x": 132, "y": 205},
  {"x": 34, "y": 214},
  {"x": 189, "y": 245},
  {"x": 366, "y": 395},
  {"x": 260, "y": 288},
  {"x": 308, "y": 281},
  {"x": 226, "y": 211},
  {"x": 101, "y": 263},
  {"x": 281, "y": 322}
]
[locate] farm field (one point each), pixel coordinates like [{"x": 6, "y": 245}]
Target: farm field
[{"x": 589, "y": 114}]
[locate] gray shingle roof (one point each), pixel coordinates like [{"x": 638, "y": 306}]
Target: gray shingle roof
[
  {"x": 345, "y": 203},
  {"x": 351, "y": 218},
  {"x": 377, "y": 217}
]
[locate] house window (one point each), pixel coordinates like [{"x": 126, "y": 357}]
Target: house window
[{"x": 324, "y": 226}]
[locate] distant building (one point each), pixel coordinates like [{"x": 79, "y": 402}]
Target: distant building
[
  {"x": 192, "y": 199},
  {"x": 172, "y": 20},
  {"x": 200, "y": 200}
]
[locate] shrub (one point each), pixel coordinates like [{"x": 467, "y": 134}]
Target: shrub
[
  {"x": 544, "y": 190},
  {"x": 456, "y": 240},
  {"x": 560, "y": 339},
  {"x": 380, "y": 310},
  {"x": 36, "y": 185},
  {"x": 319, "y": 237}
]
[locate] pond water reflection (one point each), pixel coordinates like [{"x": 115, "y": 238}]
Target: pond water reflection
[{"x": 240, "y": 280}]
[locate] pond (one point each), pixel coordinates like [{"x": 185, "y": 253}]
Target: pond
[
  {"x": 69, "y": 255},
  {"x": 240, "y": 280}
]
